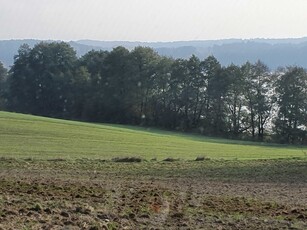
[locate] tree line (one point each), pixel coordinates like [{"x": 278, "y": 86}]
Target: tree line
[{"x": 140, "y": 87}]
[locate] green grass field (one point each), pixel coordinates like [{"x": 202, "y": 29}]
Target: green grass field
[
  {"x": 26, "y": 136},
  {"x": 51, "y": 179}
]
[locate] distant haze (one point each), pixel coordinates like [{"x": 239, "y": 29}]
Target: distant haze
[
  {"x": 152, "y": 20},
  {"x": 273, "y": 52}
]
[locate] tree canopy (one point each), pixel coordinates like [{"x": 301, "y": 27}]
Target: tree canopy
[{"x": 140, "y": 87}]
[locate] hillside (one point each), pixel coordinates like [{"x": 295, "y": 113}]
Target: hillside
[
  {"x": 26, "y": 136},
  {"x": 9, "y": 48},
  {"x": 273, "y": 52},
  {"x": 58, "y": 174}
]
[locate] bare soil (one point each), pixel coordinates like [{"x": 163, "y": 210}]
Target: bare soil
[{"x": 92, "y": 195}]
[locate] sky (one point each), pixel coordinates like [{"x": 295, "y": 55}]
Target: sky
[{"x": 152, "y": 20}]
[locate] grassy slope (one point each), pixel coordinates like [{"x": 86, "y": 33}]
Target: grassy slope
[{"x": 29, "y": 136}]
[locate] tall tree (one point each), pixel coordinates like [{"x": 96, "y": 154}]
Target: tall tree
[
  {"x": 20, "y": 94},
  {"x": 216, "y": 88},
  {"x": 291, "y": 122},
  {"x": 120, "y": 87},
  {"x": 260, "y": 96},
  {"x": 236, "y": 101},
  {"x": 79, "y": 94},
  {"x": 160, "y": 101},
  {"x": 40, "y": 78},
  {"x": 3, "y": 86},
  {"x": 197, "y": 89},
  {"x": 144, "y": 61},
  {"x": 179, "y": 92},
  {"x": 93, "y": 64}
]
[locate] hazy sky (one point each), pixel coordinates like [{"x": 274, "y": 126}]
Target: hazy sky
[{"x": 152, "y": 20}]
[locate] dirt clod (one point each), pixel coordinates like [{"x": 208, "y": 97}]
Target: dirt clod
[{"x": 64, "y": 214}]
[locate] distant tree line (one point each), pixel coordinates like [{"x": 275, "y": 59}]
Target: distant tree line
[{"x": 139, "y": 87}]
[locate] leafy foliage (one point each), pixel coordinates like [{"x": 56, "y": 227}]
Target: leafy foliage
[
  {"x": 3, "y": 86},
  {"x": 140, "y": 87}
]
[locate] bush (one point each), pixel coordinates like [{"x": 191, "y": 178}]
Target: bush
[{"x": 127, "y": 159}]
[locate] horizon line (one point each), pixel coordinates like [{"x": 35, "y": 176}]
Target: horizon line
[{"x": 164, "y": 41}]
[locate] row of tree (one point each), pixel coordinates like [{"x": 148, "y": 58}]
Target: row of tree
[{"x": 142, "y": 88}]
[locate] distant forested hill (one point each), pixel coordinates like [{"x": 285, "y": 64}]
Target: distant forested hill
[
  {"x": 9, "y": 48},
  {"x": 273, "y": 52}
]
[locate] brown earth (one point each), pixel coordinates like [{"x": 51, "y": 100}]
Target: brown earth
[{"x": 103, "y": 195}]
